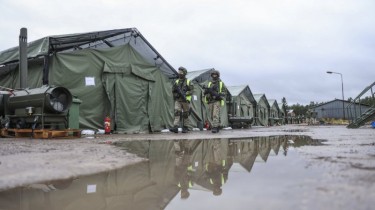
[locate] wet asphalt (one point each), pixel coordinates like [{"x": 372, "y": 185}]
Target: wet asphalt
[{"x": 345, "y": 161}]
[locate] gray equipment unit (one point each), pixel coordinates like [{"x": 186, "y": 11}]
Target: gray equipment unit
[{"x": 44, "y": 107}]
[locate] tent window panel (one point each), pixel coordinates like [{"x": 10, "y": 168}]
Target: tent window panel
[{"x": 244, "y": 111}]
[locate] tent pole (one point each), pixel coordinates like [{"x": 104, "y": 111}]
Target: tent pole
[
  {"x": 23, "y": 57},
  {"x": 46, "y": 69}
]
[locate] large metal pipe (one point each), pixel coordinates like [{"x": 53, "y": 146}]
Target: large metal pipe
[
  {"x": 23, "y": 57},
  {"x": 50, "y": 99}
]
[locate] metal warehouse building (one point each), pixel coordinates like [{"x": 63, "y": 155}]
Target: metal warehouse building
[{"x": 334, "y": 109}]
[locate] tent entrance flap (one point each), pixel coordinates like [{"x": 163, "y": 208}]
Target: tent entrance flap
[{"x": 128, "y": 96}]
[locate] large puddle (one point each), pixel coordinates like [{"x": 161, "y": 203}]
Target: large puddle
[{"x": 185, "y": 174}]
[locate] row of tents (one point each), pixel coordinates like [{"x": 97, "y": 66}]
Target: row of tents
[
  {"x": 242, "y": 108},
  {"x": 118, "y": 73}
]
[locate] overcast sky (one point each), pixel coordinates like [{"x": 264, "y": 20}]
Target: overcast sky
[{"x": 282, "y": 48}]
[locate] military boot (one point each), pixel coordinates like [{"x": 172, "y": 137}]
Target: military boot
[
  {"x": 185, "y": 129},
  {"x": 174, "y": 129}
]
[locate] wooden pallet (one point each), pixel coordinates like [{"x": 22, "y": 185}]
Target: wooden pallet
[{"x": 41, "y": 133}]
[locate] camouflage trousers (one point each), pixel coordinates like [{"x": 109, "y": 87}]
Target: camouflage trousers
[
  {"x": 219, "y": 152},
  {"x": 214, "y": 109},
  {"x": 181, "y": 112}
]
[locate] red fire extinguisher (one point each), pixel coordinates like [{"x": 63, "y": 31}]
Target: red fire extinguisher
[
  {"x": 207, "y": 125},
  {"x": 107, "y": 125}
]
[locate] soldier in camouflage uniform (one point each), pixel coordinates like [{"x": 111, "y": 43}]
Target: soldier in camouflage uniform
[
  {"x": 183, "y": 167},
  {"x": 182, "y": 90},
  {"x": 215, "y": 94},
  {"x": 216, "y": 165}
]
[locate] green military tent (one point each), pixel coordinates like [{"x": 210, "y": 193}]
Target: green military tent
[
  {"x": 246, "y": 152},
  {"x": 276, "y": 143},
  {"x": 201, "y": 78},
  {"x": 262, "y": 109},
  {"x": 114, "y": 73},
  {"x": 199, "y": 108},
  {"x": 241, "y": 107},
  {"x": 274, "y": 112},
  {"x": 264, "y": 148}
]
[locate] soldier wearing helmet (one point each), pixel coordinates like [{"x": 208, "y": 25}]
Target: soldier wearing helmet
[
  {"x": 182, "y": 72},
  {"x": 182, "y": 91},
  {"x": 215, "y": 97},
  {"x": 215, "y": 72}
]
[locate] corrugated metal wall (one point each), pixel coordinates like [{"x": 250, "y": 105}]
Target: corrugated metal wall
[{"x": 334, "y": 108}]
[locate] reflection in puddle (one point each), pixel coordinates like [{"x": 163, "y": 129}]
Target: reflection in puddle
[
  {"x": 295, "y": 130},
  {"x": 176, "y": 171}
]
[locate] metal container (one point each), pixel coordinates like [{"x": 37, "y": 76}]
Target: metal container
[{"x": 48, "y": 99}]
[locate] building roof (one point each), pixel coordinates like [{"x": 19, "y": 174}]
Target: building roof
[
  {"x": 236, "y": 90},
  {"x": 200, "y": 76},
  {"x": 261, "y": 96},
  {"x": 345, "y": 102},
  {"x": 273, "y": 102},
  {"x": 91, "y": 40},
  {"x": 245, "y": 89}
]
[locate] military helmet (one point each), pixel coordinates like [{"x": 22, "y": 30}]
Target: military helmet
[
  {"x": 182, "y": 70},
  {"x": 215, "y": 72}
]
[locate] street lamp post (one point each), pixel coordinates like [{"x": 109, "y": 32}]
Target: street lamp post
[{"x": 342, "y": 91}]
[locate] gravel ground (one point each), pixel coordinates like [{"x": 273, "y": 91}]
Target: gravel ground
[{"x": 347, "y": 157}]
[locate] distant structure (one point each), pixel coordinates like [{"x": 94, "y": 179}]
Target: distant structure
[
  {"x": 291, "y": 116},
  {"x": 333, "y": 109}
]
